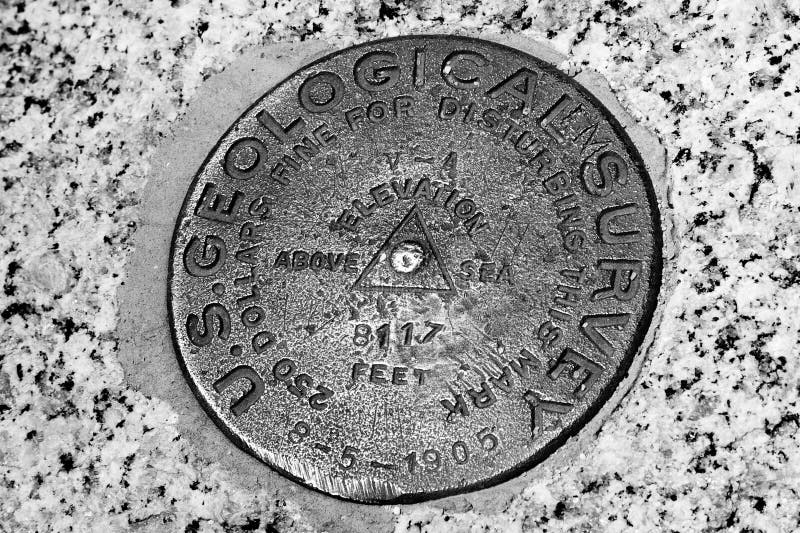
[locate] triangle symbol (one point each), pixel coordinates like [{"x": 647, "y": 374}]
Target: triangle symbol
[{"x": 408, "y": 261}]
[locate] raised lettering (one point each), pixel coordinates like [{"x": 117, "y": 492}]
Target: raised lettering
[
  {"x": 216, "y": 207},
  {"x": 521, "y": 86},
  {"x": 484, "y": 397},
  {"x": 240, "y": 406},
  {"x": 599, "y": 180},
  {"x": 625, "y": 279},
  {"x": 212, "y": 313},
  {"x": 262, "y": 341},
  {"x": 458, "y": 407},
  {"x": 244, "y": 158},
  {"x": 321, "y": 83},
  {"x": 503, "y": 382},
  {"x": 611, "y": 236},
  {"x": 213, "y": 253},
  {"x": 523, "y": 364},
  {"x": 284, "y": 135},
  {"x": 455, "y": 61},
  {"x": 376, "y": 71},
  {"x": 592, "y": 324},
  {"x": 580, "y": 364},
  {"x": 539, "y": 406}
]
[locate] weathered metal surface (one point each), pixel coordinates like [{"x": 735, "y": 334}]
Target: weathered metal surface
[{"x": 414, "y": 268}]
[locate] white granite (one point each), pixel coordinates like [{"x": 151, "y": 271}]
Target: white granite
[{"x": 708, "y": 438}]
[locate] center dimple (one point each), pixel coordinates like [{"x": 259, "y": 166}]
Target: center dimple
[{"x": 407, "y": 257}]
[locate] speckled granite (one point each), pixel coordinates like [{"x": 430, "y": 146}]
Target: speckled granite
[{"x": 706, "y": 441}]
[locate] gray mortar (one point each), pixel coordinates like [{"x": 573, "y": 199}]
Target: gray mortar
[{"x": 146, "y": 349}]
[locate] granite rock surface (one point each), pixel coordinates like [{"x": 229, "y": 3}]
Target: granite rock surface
[{"x": 707, "y": 440}]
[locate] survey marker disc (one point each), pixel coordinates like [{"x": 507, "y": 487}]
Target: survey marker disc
[{"x": 414, "y": 268}]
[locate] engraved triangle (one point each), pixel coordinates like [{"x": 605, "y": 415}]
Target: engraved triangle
[{"x": 408, "y": 261}]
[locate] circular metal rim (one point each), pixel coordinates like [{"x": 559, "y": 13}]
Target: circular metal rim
[{"x": 650, "y": 302}]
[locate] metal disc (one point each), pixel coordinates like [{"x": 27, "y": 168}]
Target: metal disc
[{"x": 414, "y": 268}]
